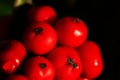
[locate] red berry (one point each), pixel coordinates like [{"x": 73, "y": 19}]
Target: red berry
[
  {"x": 39, "y": 68},
  {"x": 16, "y": 77},
  {"x": 39, "y": 38},
  {"x": 66, "y": 62},
  {"x": 71, "y": 31},
  {"x": 42, "y": 14},
  {"x": 91, "y": 58},
  {"x": 12, "y": 52}
]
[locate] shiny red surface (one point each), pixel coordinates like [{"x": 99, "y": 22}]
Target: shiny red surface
[
  {"x": 91, "y": 58},
  {"x": 33, "y": 71},
  {"x": 65, "y": 71},
  {"x": 41, "y": 43},
  {"x": 42, "y": 14},
  {"x": 71, "y": 31},
  {"x": 11, "y": 56}
]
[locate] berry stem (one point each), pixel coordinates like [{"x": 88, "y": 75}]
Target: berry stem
[
  {"x": 42, "y": 65},
  {"x": 76, "y": 20},
  {"x": 38, "y": 30},
  {"x": 71, "y": 62}
]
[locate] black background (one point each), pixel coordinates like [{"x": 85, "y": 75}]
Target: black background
[{"x": 102, "y": 18}]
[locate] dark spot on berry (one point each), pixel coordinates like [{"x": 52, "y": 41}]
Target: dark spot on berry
[
  {"x": 75, "y": 19},
  {"x": 71, "y": 62},
  {"x": 38, "y": 30},
  {"x": 42, "y": 65}
]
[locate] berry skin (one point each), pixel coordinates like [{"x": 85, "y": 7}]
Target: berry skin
[
  {"x": 91, "y": 58},
  {"x": 39, "y": 68},
  {"x": 12, "y": 53},
  {"x": 16, "y": 77},
  {"x": 39, "y": 38},
  {"x": 71, "y": 31},
  {"x": 42, "y": 14},
  {"x": 66, "y": 62}
]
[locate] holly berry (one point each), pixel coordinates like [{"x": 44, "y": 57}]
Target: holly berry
[
  {"x": 91, "y": 58},
  {"x": 66, "y": 62},
  {"x": 42, "y": 14},
  {"x": 39, "y": 68},
  {"x": 60, "y": 49},
  {"x": 16, "y": 77},
  {"x": 71, "y": 31},
  {"x": 39, "y": 38},
  {"x": 12, "y": 53}
]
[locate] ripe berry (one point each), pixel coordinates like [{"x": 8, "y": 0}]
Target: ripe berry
[
  {"x": 71, "y": 31},
  {"x": 39, "y": 38},
  {"x": 39, "y": 68},
  {"x": 91, "y": 58},
  {"x": 42, "y": 14},
  {"x": 66, "y": 62},
  {"x": 12, "y": 53}
]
